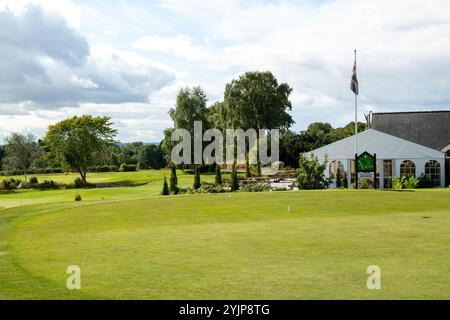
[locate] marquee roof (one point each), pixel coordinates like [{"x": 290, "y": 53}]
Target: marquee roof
[{"x": 384, "y": 145}]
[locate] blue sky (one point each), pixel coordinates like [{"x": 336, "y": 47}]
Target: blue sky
[{"x": 128, "y": 59}]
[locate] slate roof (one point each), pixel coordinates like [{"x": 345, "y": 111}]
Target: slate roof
[{"x": 427, "y": 128}]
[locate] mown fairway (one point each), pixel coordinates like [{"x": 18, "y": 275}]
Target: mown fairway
[{"x": 219, "y": 247}]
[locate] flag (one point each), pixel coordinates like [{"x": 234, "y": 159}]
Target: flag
[{"x": 354, "y": 86}]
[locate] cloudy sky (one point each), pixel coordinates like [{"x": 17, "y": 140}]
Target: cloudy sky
[{"x": 128, "y": 59}]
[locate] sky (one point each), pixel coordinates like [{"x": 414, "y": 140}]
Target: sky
[{"x": 128, "y": 59}]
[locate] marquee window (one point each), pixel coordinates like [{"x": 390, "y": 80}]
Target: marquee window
[
  {"x": 408, "y": 168},
  {"x": 334, "y": 166},
  {"x": 433, "y": 173}
]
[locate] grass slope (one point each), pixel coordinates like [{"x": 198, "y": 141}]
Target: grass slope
[
  {"x": 240, "y": 247},
  {"x": 130, "y": 185}
]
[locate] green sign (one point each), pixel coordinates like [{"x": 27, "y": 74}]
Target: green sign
[{"x": 366, "y": 162}]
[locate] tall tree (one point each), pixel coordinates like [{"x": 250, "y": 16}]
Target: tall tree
[
  {"x": 21, "y": 152},
  {"x": 190, "y": 107},
  {"x": 174, "y": 180},
  {"x": 153, "y": 156},
  {"x": 256, "y": 100},
  {"x": 79, "y": 141},
  {"x": 234, "y": 179},
  {"x": 218, "y": 178},
  {"x": 197, "y": 182}
]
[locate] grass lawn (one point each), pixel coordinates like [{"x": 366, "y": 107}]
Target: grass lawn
[
  {"x": 130, "y": 185},
  {"x": 247, "y": 246}
]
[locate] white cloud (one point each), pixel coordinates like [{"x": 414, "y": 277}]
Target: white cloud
[
  {"x": 51, "y": 65},
  {"x": 403, "y": 61}
]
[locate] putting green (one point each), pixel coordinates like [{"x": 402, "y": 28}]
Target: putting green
[{"x": 241, "y": 247}]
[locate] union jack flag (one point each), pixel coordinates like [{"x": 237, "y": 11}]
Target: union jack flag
[{"x": 354, "y": 86}]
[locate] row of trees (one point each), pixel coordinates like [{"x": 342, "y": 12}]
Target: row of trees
[
  {"x": 254, "y": 101},
  {"x": 77, "y": 143}
]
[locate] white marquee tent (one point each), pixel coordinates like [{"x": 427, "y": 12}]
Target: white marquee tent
[{"x": 395, "y": 157}]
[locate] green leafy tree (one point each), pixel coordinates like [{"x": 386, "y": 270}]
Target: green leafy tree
[
  {"x": 234, "y": 179},
  {"x": 153, "y": 156},
  {"x": 256, "y": 101},
  {"x": 79, "y": 142},
  {"x": 165, "y": 190},
  {"x": 311, "y": 173},
  {"x": 197, "y": 182},
  {"x": 174, "y": 180},
  {"x": 218, "y": 175},
  {"x": 22, "y": 152},
  {"x": 190, "y": 107}
]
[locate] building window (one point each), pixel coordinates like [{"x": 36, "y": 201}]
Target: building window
[
  {"x": 433, "y": 173},
  {"x": 407, "y": 168},
  {"x": 334, "y": 167},
  {"x": 387, "y": 170}
]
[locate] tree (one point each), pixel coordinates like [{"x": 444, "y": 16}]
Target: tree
[
  {"x": 79, "y": 142},
  {"x": 197, "y": 182},
  {"x": 311, "y": 173},
  {"x": 21, "y": 152},
  {"x": 218, "y": 175},
  {"x": 174, "y": 180},
  {"x": 190, "y": 107},
  {"x": 165, "y": 190},
  {"x": 256, "y": 101},
  {"x": 152, "y": 156},
  {"x": 2, "y": 155},
  {"x": 234, "y": 179}
]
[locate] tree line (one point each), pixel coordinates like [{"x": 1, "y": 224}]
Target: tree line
[{"x": 256, "y": 100}]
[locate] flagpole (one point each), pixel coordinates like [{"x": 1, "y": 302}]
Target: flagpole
[{"x": 356, "y": 117}]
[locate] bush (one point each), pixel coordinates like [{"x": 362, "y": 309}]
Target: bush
[
  {"x": 142, "y": 166},
  {"x": 397, "y": 183},
  {"x": 165, "y": 190},
  {"x": 77, "y": 197},
  {"x": 210, "y": 188},
  {"x": 6, "y": 185},
  {"x": 48, "y": 184},
  {"x": 127, "y": 167},
  {"x": 365, "y": 184},
  {"x": 410, "y": 182},
  {"x": 78, "y": 183},
  {"x": 311, "y": 174},
  {"x": 34, "y": 180},
  {"x": 110, "y": 168},
  {"x": 259, "y": 187}
]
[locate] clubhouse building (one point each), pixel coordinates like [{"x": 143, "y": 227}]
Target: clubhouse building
[{"x": 399, "y": 144}]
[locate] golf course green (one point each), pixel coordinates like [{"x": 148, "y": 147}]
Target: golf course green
[{"x": 132, "y": 243}]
